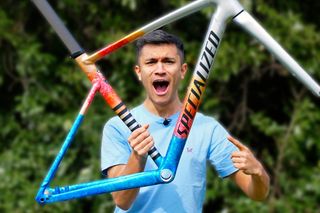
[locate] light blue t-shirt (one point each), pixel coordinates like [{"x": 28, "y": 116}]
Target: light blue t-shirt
[{"x": 207, "y": 141}]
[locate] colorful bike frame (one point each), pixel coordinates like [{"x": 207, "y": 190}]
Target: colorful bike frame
[{"x": 167, "y": 165}]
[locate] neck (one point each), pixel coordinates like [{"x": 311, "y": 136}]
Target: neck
[{"x": 163, "y": 111}]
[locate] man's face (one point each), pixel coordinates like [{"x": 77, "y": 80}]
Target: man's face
[{"x": 160, "y": 71}]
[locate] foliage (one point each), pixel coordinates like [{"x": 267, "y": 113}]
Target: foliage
[{"x": 249, "y": 92}]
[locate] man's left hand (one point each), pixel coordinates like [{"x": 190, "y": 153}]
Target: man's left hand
[{"x": 244, "y": 159}]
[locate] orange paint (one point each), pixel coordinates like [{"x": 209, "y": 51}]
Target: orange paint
[
  {"x": 90, "y": 70},
  {"x": 190, "y": 107},
  {"x": 109, "y": 95},
  {"x": 114, "y": 46}
]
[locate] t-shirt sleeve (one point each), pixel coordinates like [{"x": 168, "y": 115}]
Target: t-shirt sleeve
[
  {"x": 115, "y": 149},
  {"x": 220, "y": 152}
]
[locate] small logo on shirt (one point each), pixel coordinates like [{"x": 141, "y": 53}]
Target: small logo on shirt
[{"x": 189, "y": 149}]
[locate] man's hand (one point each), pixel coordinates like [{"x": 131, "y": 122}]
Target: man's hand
[
  {"x": 141, "y": 141},
  {"x": 251, "y": 176},
  {"x": 244, "y": 159}
]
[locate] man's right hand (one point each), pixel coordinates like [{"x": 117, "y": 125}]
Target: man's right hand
[{"x": 141, "y": 141}]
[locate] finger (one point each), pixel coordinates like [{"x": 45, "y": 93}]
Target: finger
[
  {"x": 145, "y": 146},
  {"x": 135, "y": 133},
  {"x": 146, "y": 149},
  {"x": 138, "y": 131},
  {"x": 144, "y": 143},
  {"x": 238, "y": 154},
  {"x": 139, "y": 139},
  {"x": 143, "y": 136},
  {"x": 240, "y": 166},
  {"x": 238, "y": 160},
  {"x": 237, "y": 143},
  {"x": 145, "y": 126}
]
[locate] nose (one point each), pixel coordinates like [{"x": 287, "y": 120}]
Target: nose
[{"x": 160, "y": 69}]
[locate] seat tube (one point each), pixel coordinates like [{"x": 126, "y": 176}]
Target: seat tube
[{"x": 195, "y": 92}]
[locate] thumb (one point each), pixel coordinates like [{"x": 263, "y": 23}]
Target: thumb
[
  {"x": 145, "y": 126},
  {"x": 237, "y": 143}
]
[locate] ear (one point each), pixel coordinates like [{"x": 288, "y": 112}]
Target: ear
[
  {"x": 138, "y": 71},
  {"x": 184, "y": 69}
]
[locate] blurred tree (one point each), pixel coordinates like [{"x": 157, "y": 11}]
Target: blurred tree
[{"x": 42, "y": 89}]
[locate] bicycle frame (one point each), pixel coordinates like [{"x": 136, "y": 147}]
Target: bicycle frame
[{"x": 167, "y": 164}]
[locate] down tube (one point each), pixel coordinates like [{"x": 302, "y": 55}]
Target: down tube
[{"x": 195, "y": 91}]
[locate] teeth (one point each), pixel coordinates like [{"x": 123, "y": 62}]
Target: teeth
[{"x": 160, "y": 81}]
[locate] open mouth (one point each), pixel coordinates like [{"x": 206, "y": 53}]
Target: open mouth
[{"x": 160, "y": 86}]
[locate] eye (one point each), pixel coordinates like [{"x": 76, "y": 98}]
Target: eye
[
  {"x": 150, "y": 62},
  {"x": 169, "y": 61}
]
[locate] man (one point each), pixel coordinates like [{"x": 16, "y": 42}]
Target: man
[{"x": 160, "y": 68}]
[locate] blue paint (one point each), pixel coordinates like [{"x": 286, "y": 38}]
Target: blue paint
[
  {"x": 158, "y": 161},
  {"x": 170, "y": 162},
  {"x": 108, "y": 185},
  {"x": 54, "y": 167},
  {"x": 173, "y": 154}
]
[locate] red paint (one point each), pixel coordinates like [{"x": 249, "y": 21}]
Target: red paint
[
  {"x": 112, "y": 47},
  {"x": 109, "y": 95},
  {"x": 116, "y": 45}
]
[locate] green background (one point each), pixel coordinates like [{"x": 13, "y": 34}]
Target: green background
[{"x": 249, "y": 92}]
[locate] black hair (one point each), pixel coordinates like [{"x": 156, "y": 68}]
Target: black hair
[{"x": 160, "y": 37}]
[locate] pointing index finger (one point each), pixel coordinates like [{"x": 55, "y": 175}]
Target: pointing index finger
[{"x": 237, "y": 143}]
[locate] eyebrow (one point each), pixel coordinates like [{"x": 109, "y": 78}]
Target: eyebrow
[{"x": 162, "y": 59}]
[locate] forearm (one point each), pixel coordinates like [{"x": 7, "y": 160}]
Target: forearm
[
  {"x": 258, "y": 188},
  {"x": 252, "y": 178},
  {"x": 141, "y": 142},
  {"x": 125, "y": 198}
]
